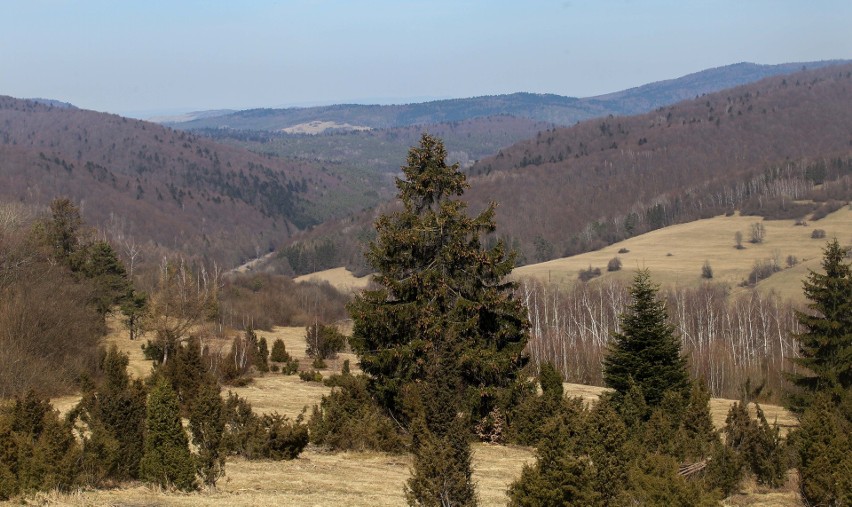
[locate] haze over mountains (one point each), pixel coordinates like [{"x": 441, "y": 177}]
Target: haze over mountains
[
  {"x": 562, "y": 190},
  {"x": 549, "y": 108}
]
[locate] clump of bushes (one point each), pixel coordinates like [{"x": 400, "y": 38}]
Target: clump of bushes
[
  {"x": 588, "y": 274},
  {"x": 269, "y": 436},
  {"x": 349, "y": 420},
  {"x": 762, "y": 270},
  {"x": 324, "y": 342},
  {"x": 623, "y": 250},
  {"x": 614, "y": 264},
  {"x": 706, "y": 271},
  {"x": 310, "y": 376},
  {"x": 38, "y": 451},
  {"x": 825, "y": 209},
  {"x": 818, "y": 234}
]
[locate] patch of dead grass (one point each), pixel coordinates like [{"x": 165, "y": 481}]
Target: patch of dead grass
[
  {"x": 340, "y": 278},
  {"x": 693, "y": 243}
]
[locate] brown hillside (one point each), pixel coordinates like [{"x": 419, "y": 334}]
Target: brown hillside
[
  {"x": 173, "y": 189},
  {"x": 754, "y": 147}
]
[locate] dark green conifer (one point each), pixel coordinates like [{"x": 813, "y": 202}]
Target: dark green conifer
[
  {"x": 442, "y": 473},
  {"x": 38, "y": 451},
  {"x": 166, "y": 460},
  {"x": 115, "y": 414},
  {"x": 825, "y": 460},
  {"x": 825, "y": 345},
  {"x": 279, "y": 352},
  {"x": 438, "y": 283},
  {"x": 207, "y": 424},
  {"x": 646, "y": 349},
  {"x": 561, "y": 475}
]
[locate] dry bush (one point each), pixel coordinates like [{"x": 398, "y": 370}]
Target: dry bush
[
  {"x": 264, "y": 301},
  {"x": 49, "y": 332}
]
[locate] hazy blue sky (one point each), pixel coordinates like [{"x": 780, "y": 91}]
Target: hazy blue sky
[{"x": 146, "y": 56}]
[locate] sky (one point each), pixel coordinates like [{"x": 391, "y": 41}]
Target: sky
[{"x": 150, "y": 57}]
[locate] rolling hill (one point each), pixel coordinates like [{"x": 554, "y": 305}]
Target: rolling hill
[
  {"x": 170, "y": 190},
  {"x": 756, "y": 148},
  {"x": 760, "y": 148}
]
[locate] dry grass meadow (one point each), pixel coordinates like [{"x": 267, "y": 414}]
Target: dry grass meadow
[
  {"x": 340, "y": 278},
  {"x": 675, "y": 254},
  {"x": 320, "y": 478}
]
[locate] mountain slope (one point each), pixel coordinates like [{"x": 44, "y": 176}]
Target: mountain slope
[
  {"x": 538, "y": 107},
  {"x": 750, "y": 147},
  {"x": 173, "y": 189},
  {"x": 758, "y": 148}
]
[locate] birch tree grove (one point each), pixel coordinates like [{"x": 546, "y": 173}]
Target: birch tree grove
[{"x": 727, "y": 339}]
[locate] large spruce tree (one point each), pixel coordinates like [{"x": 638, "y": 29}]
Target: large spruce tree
[
  {"x": 825, "y": 345},
  {"x": 646, "y": 349},
  {"x": 441, "y": 290}
]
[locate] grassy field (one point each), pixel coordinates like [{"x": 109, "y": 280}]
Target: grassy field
[
  {"x": 340, "y": 278},
  {"x": 675, "y": 254},
  {"x": 320, "y": 478}
]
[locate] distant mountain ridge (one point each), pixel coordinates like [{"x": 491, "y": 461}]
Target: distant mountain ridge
[
  {"x": 764, "y": 148},
  {"x": 548, "y": 108}
]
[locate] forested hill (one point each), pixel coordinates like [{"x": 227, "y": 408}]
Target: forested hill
[
  {"x": 755, "y": 148},
  {"x": 162, "y": 187},
  {"x": 761, "y": 148},
  {"x": 538, "y": 107}
]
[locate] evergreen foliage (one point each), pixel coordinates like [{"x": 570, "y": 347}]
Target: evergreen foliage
[
  {"x": 324, "y": 342},
  {"x": 269, "y": 436},
  {"x": 758, "y": 445},
  {"x": 437, "y": 284},
  {"x": 166, "y": 460},
  {"x": 207, "y": 424},
  {"x": 187, "y": 373},
  {"x": 102, "y": 266},
  {"x": 441, "y": 473},
  {"x": 825, "y": 345},
  {"x": 38, "y": 451},
  {"x": 115, "y": 414},
  {"x": 279, "y": 352},
  {"x": 559, "y": 476},
  {"x": 646, "y": 349},
  {"x": 825, "y": 461},
  {"x": 531, "y": 413},
  {"x": 348, "y": 419},
  {"x": 653, "y": 480}
]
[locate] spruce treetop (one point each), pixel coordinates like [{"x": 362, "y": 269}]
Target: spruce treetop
[
  {"x": 646, "y": 349},
  {"x": 825, "y": 345}
]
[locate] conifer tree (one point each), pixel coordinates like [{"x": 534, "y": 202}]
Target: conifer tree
[
  {"x": 438, "y": 283},
  {"x": 167, "y": 460},
  {"x": 824, "y": 454},
  {"x": 646, "y": 349},
  {"x": 563, "y": 474},
  {"x": 115, "y": 415},
  {"x": 279, "y": 352},
  {"x": 207, "y": 423},
  {"x": 825, "y": 345}
]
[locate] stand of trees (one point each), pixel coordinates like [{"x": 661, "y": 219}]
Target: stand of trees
[{"x": 728, "y": 339}]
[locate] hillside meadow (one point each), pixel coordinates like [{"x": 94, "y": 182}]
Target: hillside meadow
[
  {"x": 675, "y": 254},
  {"x": 320, "y": 478}
]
